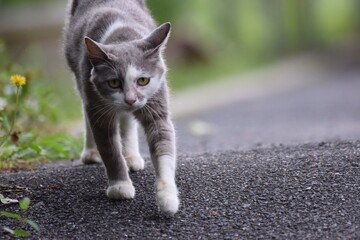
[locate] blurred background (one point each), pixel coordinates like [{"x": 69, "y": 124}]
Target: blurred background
[{"x": 211, "y": 41}]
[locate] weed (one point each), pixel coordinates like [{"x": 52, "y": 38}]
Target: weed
[
  {"x": 28, "y": 115},
  {"x": 24, "y": 206},
  {"x": 18, "y": 81}
]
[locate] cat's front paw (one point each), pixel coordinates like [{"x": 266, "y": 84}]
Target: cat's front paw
[
  {"x": 167, "y": 198},
  {"x": 135, "y": 163},
  {"x": 90, "y": 156},
  {"x": 121, "y": 190}
]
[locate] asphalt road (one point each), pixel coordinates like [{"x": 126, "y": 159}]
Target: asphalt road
[
  {"x": 280, "y": 167},
  {"x": 300, "y": 192},
  {"x": 326, "y": 110}
]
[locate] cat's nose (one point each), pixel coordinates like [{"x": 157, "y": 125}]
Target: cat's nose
[
  {"x": 130, "y": 97},
  {"x": 130, "y": 102}
]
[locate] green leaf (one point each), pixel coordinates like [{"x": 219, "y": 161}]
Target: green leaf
[
  {"x": 33, "y": 224},
  {"x": 60, "y": 146},
  {"x": 11, "y": 215},
  {"x": 26, "y": 153},
  {"x": 27, "y": 137},
  {"x": 36, "y": 148},
  {"x": 20, "y": 233},
  {"x": 8, "y": 151},
  {"x": 24, "y": 203}
]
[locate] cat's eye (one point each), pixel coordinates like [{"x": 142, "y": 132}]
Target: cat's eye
[
  {"x": 114, "y": 83},
  {"x": 143, "y": 81}
]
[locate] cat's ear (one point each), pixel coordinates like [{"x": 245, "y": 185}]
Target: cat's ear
[
  {"x": 96, "y": 55},
  {"x": 157, "y": 39}
]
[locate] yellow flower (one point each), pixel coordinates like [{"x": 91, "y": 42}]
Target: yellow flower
[{"x": 18, "y": 80}]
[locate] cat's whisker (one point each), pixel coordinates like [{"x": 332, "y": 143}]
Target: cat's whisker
[
  {"x": 102, "y": 108},
  {"x": 148, "y": 113},
  {"x": 99, "y": 106},
  {"x": 112, "y": 122},
  {"x": 154, "y": 112},
  {"x": 107, "y": 109},
  {"x": 95, "y": 111},
  {"x": 106, "y": 115}
]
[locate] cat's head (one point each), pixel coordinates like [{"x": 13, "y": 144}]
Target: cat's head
[{"x": 129, "y": 73}]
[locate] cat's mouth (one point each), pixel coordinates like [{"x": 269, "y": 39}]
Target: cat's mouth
[
  {"x": 133, "y": 108},
  {"x": 128, "y": 108}
]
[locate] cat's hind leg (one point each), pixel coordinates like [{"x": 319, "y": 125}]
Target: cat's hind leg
[
  {"x": 90, "y": 154},
  {"x": 129, "y": 138}
]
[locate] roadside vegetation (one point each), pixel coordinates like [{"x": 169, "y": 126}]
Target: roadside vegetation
[{"x": 30, "y": 113}]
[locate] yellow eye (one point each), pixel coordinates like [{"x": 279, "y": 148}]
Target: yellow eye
[
  {"x": 114, "y": 83},
  {"x": 143, "y": 81}
]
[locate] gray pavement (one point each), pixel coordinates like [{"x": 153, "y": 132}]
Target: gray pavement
[
  {"x": 326, "y": 110},
  {"x": 282, "y": 166},
  {"x": 308, "y": 191}
]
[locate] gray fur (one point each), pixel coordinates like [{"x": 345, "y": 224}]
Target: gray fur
[{"x": 95, "y": 61}]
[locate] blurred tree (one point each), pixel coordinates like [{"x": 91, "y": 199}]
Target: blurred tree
[
  {"x": 165, "y": 11},
  {"x": 17, "y": 2},
  {"x": 335, "y": 19}
]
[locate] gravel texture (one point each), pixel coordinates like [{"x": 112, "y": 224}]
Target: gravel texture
[{"x": 309, "y": 191}]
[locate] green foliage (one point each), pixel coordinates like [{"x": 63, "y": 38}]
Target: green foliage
[
  {"x": 181, "y": 77},
  {"x": 17, "y": 2},
  {"x": 11, "y": 215},
  {"x": 33, "y": 135},
  {"x": 60, "y": 146},
  {"x": 43, "y": 147},
  {"x": 336, "y": 18},
  {"x": 18, "y": 232},
  {"x": 24, "y": 203}
]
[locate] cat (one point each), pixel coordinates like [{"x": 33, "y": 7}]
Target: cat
[{"x": 115, "y": 50}]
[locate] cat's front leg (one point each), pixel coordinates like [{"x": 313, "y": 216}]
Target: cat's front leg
[
  {"x": 107, "y": 140},
  {"x": 161, "y": 138}
]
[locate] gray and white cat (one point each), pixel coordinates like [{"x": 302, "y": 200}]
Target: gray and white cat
[{"x": 115, "y": 51}]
